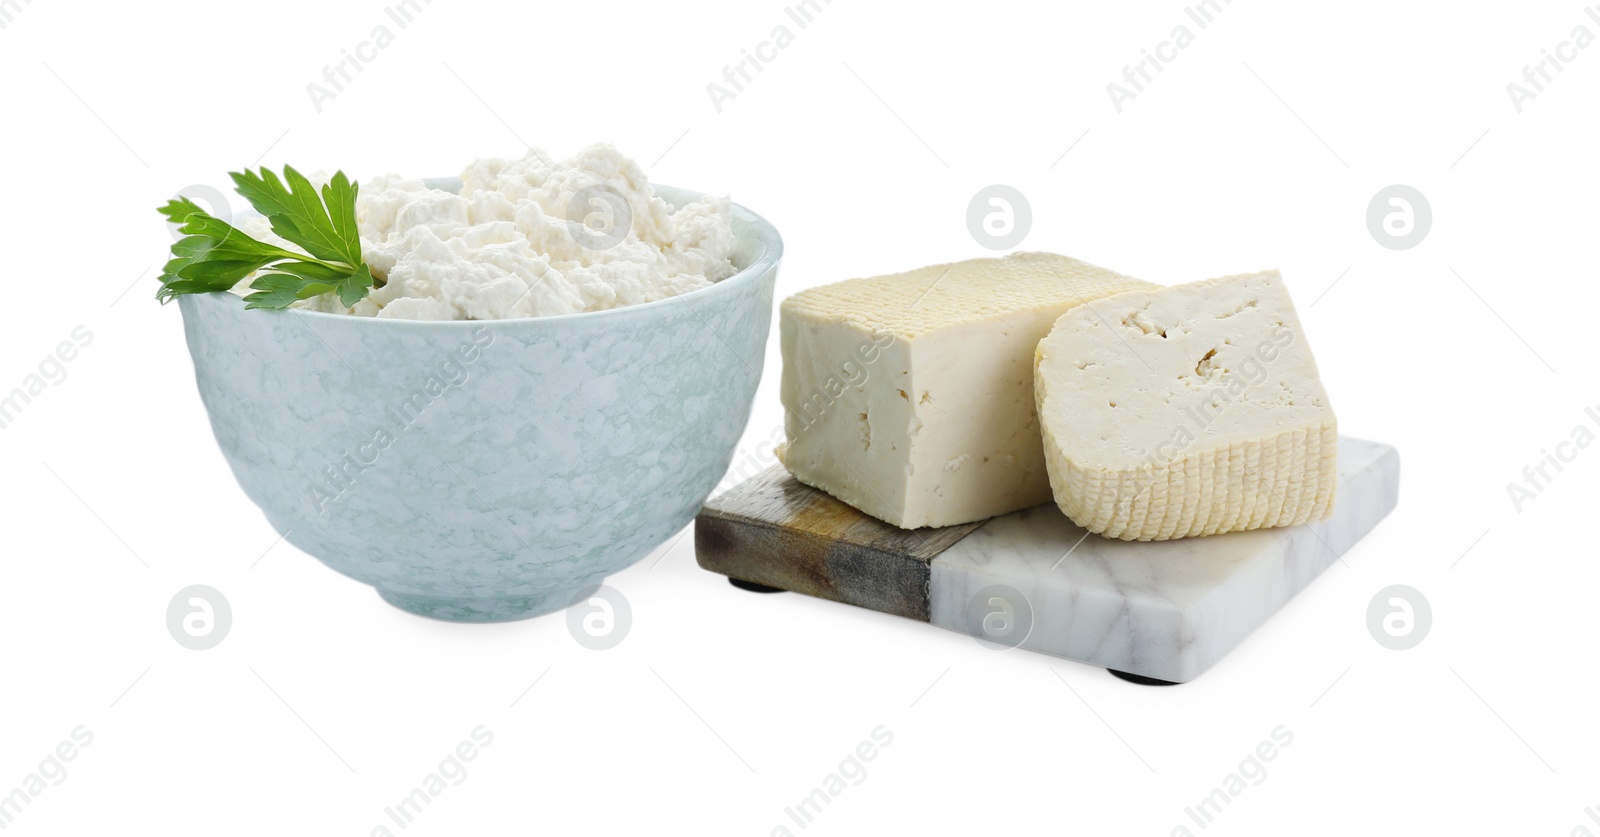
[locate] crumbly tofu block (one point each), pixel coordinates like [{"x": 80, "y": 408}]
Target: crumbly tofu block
[
  {"x": 910, "y": 396},
  {"x": 1183, "y": 411}
]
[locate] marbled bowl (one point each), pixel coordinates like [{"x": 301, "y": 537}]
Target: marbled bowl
[{"x": 487, "y": 471}]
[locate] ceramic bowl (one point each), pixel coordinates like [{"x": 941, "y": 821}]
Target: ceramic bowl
[{"x": 480, "y": 471}]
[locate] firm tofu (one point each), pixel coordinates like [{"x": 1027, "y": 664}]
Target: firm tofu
[
  {"x": 1183, "y": 411},
  {"x": 911, "y": 397}
]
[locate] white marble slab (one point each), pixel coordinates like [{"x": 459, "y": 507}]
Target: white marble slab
[{"x": 1166, "y": 610}]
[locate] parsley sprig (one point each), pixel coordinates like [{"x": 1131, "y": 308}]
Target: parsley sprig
[{"x": 214, "y": 256}]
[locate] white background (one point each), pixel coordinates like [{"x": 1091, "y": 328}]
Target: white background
[{"x": 1259, "y": 146}]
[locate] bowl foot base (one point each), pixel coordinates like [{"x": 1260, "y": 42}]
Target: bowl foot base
[{"x": 506, "y": 609}]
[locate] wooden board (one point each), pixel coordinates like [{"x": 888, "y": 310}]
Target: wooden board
[{"x": 776, "y": 531}]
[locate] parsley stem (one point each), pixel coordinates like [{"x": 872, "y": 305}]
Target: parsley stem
[{"x": 301, "y": 257}]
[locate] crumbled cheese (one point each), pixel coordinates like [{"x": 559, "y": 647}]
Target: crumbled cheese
[{"x": 502, "y": 248}]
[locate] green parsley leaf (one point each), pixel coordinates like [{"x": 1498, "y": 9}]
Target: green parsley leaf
[
  {"x": 179, "y": 209},
  {"x": 298, "y": 214},
  {"x": 292, "y": 281},
  {"x": 214, "y": 256},
  {"x": 277, "y": 290},
  {"x": 356, "y": 286}
]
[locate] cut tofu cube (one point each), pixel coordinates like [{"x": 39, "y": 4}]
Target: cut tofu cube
[
  {"x": 1189, "y": 410},
  {"x": 910, "y": 396}
]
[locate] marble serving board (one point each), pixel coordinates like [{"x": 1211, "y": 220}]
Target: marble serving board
[{"x": 1164, "y": 611}]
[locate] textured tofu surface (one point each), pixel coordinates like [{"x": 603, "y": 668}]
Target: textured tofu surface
[
  {"x": 1183, "y": 411},
  {"x": 910, "y": 396}
]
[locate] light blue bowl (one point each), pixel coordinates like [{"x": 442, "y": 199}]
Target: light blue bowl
[{"x": 487, "y": 471}]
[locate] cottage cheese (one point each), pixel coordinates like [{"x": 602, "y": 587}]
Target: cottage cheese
[{"x": 502, "y": 248}]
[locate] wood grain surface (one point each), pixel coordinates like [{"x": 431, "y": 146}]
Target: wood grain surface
[{"x": 774, "y": 530}]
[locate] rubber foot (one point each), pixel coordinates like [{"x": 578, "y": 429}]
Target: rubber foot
[
  {"x": 752, "y": 586},
  {"x": 1141, "y": 679}
]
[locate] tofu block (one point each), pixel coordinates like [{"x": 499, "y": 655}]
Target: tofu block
[
  {"x": 1183, "y": 411},
  {"x": 910, "y": 396}
]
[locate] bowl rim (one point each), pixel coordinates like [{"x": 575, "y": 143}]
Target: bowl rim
[{"x": 761, "y": 231}]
